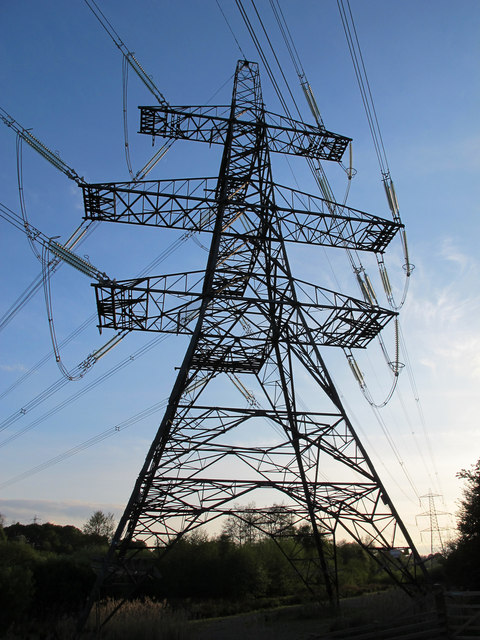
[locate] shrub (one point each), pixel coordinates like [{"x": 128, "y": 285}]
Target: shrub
[
  {"x": 141, "y": 620},
  {"x": 17, "y": 590},
  {"x": 62, "y": 584}
]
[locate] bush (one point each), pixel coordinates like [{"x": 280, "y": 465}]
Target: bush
[
  {"x": 140, "y": 620},
  {"x": 53, "y": 537},
  {"x": 17, "y": 588},
  {"x": 62, "y": 584}
]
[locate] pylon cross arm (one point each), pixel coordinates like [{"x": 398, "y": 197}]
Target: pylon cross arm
[
  {"x": 210, "y": 124},
  {"x": 173, "y": 204},
  {"x": 307, "y": 218},
  {"x": 189, "y": 204},
  {"x": 171, "y": 304}
]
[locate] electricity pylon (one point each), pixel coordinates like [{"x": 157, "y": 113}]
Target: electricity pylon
[
  {"x": 250, "y": 320},
  {"x": 436, "y": 542}
]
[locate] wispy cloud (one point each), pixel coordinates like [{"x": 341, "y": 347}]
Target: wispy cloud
[
  {"x": 77, "y": 199},
  {"x": 13, "y": 367},
  {"x": 442, "y": 316},
  {"x": 76, "y": 513},
  {"x": 463, "y": 354},
  {"x": 451, "y": 252}
]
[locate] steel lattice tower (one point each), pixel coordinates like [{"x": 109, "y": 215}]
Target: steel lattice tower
[{"x": 250, "y": 320}]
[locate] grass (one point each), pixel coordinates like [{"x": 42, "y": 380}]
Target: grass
[
  {"x": 140, "y": 620},
  {"x": 379, "y": 607},
  {"x": 150, "y": 620},
  {"x": 136, "y": 620}
]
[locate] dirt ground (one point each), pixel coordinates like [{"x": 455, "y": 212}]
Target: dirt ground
[
  {"x": 304, "y": 622},
  {"x": 287, "y": 624}
]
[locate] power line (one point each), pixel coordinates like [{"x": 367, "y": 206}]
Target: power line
[
  {"x": 231, "y": 30},
  {"x": 40, "y": 147},
  {"x": 46, "y": 358},
  {"x": 86, "y": 444},
  {"x": 128, "y": 55},
  {"x": 276, "y": 58},
  {"x": 72, "y": 398}
]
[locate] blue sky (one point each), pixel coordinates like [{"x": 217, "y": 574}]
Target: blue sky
[{"x": 61, "y": 76}]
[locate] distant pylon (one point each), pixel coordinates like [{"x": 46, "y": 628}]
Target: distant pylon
[{"x": 436, "y": 542}]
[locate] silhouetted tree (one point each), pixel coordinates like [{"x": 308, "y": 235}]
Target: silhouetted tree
[
  {"x": 469, "y": 514},
  {"x": 463, "y": 561},
  {"x": 242, "y": 528},
  {"x": 278, "y": 520},
  {"x": 3, "y": 536},
  {"x": 100, "y": 524},
  {"x": 17, "y": 588},
  {"x": 52, "y": 537}
]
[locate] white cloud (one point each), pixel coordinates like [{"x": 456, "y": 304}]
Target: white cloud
[
  {"x": 77, "y": 198},
  {"x": 463, "y": 355}
]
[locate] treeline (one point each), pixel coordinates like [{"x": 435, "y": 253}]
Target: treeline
[
  {"x": 47, "y": 570},
  {"x": 202, "y": 567},
  {"x": 462, "y": 557}
]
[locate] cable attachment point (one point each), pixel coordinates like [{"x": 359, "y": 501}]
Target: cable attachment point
[
  {"x": 396, "y": 367},
  {"x": 350, "y": 171},
  {"x": 355, "y": 368},
  {"x": 366, "y": 287}
]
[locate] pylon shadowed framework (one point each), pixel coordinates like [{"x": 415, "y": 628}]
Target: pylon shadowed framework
[{"x": 250, "y": 320}]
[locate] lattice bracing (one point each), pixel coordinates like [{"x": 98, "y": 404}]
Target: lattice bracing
[{"x": 253, "y": 324}]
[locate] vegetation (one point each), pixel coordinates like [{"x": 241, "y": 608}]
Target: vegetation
[
  {"x": 100, "y": 524},
  {"x": 463, "y": 558},
  {"x": 469, "y": 515},
  {"x": 144, "y": 620},
  {"x": 46, "y": 570}
]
